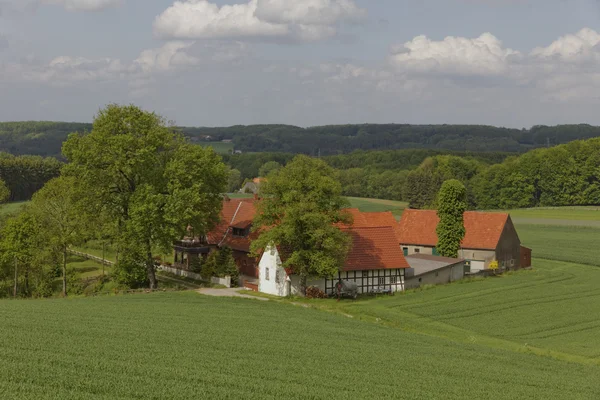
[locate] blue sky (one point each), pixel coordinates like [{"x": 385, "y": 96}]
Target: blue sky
[{"x": 305, "y": 62}]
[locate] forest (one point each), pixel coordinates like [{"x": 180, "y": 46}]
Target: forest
[{"x": 46, "y": 138}]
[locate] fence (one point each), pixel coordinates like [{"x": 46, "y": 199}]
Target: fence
[
  {"x": 91, "y": 257},
  {"x": 226, "y": 281}
]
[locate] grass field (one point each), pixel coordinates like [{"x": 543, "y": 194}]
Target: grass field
[
  {"x": 377, "y": 205},
  {"x": 219, "y": 147},
  {"x": 552, "y": 214},
  {"x": 184, "y": 345}
]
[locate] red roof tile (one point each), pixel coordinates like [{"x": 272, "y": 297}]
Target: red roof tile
[
  {"x": 237, "y": 213},
  {"x": 483, "y": 230},
  {"x": 371, "y": 219},
  {"x": 374, "y": 248}
]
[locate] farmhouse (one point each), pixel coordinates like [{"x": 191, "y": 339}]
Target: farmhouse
[
  {"x": 374, "y": 262},
  {"x": 233, "y": 230},
  {"x": 489, "y": 237}
]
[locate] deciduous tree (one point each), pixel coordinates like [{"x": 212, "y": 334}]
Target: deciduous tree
[
  {"x": 147, "y": 179},
  {"x": 452, "y": 204},
  {"x": 301, "y": 203}
]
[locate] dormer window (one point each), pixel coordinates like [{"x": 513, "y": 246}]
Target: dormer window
[{"x": 239, "y": 232}]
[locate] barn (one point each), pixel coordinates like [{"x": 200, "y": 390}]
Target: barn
[{"x": 489, "y": 237}]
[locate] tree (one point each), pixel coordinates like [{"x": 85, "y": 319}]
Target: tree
[
  {"x": 226, "y": 265},
  {"x": 56, "y": 207},
  {"x": 234, "y": 180},
  {"x": 452, "y": 204},
  {"x": 135, "y": 169},
  {"x": 301, "y": 203},
  {"x": 4, "y": 192},
  {"x": 268, "y": 168},
  {"x": 19, "y": 245}
]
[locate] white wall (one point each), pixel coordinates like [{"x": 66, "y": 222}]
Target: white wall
[{"x": 272, "y": 278}]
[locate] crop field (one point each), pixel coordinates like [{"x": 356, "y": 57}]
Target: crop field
[
  {"x": 184, "y": 346},
  {"x": 578, "y": 244},
  {"x": 558, "y": 213},
  {"x": 551, "y": 310}
]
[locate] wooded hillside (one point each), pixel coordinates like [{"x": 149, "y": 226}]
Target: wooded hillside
[{"x": 45, "y": 138}]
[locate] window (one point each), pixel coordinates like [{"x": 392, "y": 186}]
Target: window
[
  {"x": 405, "y": 250},
  {"x": 394, "y": 280},
  {"x": 512, "y": 263},
  {"x": 240, "y": 232},
  {"x": 382, "y": 281},
  {"x": 437, "y": 274},
  {"x": 176, "y": 257},
  {"x": 503, "y": 264},
  {"x": 417, "y": 251},
  {"x": 365, "y": 274},
  {"x": 276, "y": 276},
  {"x": 267, "y": 274}
]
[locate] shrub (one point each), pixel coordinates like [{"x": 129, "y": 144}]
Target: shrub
[
  {"x": 196, "y": 265},
  {"x": 209, "y": 269},
  {"x": 130, "y": 270}
]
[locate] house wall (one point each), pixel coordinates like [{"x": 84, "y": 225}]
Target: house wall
[
  {"x": 487, "y": 256},
  {"x": 246, "y": 265},
  {"x": 441, "y": 276},
  {"x": 272, "y": 278},
  {"x": 508, "y": 252},
  {"x": 365, "y": 280},
  {"x": 525, "y": 257},
  {"x": 417, "y": 249}
]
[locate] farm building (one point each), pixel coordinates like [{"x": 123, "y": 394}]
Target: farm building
[
  {"x": 427, "y": 269},
  {"x": 252, "y": 187},
  {"x": 489, "y": 237},
  {"x": 375, "y": 261},
  {"x": 232, "y": 231}
]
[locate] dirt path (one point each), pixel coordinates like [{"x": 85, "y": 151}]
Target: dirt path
[{"x": 233, "y": 292}]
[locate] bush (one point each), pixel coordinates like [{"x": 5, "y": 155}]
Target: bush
[
  {"x": 226, "y": 265},
  {"x": 130, "y": 271},
  {"x": 209, "y": 269},
  {"x": 196, "y": 264}
]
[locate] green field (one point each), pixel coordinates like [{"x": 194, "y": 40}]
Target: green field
[
  {"x": 558, "y": 213},
  {"x": 185, "y": 345},
  {"x": 377, "y": 205},
  {"x": 219, "y": 147}
]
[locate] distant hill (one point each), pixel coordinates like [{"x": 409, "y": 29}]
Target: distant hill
[{"x": 45, "y": 138}]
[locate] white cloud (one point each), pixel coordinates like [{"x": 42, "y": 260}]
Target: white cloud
[
  {"x": 84, "y": 5},
  {"x": 484, "y": 55},
  {"x": 270, "y": 20},
  {"x": 582, "y": 46},
  {"x": 308, "y": 12}
]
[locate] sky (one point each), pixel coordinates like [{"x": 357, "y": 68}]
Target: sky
[{"x": 513, "y": 63}]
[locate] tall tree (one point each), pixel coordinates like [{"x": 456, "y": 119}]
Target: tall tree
[
  {"x": 4, "y": 192},
  {"x": 147, "y": 179},
  {"x": 301, "y": 203},
  {"x": 19, "y": 244},
  {"x": 452, "y": 204},
  {"x": 268, "y": 168},
  {"x": 56, "y": 206}
]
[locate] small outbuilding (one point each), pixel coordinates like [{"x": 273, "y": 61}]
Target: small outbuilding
[{"x": 427, "y": 269}]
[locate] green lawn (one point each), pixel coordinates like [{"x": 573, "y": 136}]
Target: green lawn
[
  {"x": 86, "y": 268},
  {"x": 184, "y": 346}
]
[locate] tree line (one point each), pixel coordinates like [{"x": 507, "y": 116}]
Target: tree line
[
  {"x": 25, "y": 175},
  {"x": 46, "y": 138}
]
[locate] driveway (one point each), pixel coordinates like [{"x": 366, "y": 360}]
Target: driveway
[{"x": 233, "y": 292}]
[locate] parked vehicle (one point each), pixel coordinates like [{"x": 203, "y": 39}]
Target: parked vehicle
[{"x": 346, "y": 289}]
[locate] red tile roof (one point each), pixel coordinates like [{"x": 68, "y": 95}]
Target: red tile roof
[
  {"x": 371, "y": 219},
  {"x": 483, "y": 230},
  {"x": 374, "y": 248},
  {"x": 236, "y": 213}
]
